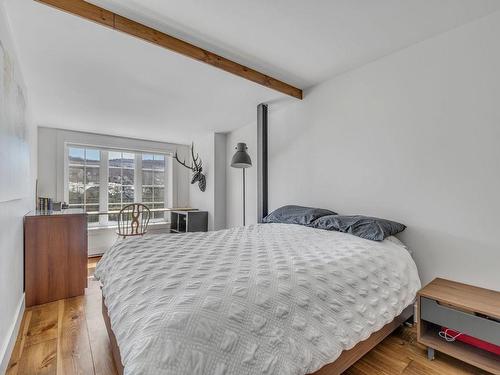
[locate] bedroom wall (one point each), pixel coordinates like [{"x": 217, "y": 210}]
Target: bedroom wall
[
  {"x": 13, "y": 210},
  {"x": 211, "y": 147},
  {"x": 411, "y": 137},
  {"x": 220, "y": 161}
]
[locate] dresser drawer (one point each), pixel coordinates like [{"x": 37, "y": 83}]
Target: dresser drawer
[{"x": 468, "y": 323}]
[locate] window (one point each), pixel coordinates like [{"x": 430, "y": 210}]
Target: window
[
  {"x": 107, "y": 180},
  {"x": 83, "y": 180}
]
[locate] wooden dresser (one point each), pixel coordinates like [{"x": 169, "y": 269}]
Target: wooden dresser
[{"x": 55, "y": 255}]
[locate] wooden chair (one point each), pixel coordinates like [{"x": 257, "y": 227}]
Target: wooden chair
[{"x": 133, "y": 220}]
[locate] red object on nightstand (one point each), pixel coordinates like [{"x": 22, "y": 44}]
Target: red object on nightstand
[{"x": 484, "y": 345}]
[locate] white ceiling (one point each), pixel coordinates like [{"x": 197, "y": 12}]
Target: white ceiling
[{"x": 83, "y": 76}]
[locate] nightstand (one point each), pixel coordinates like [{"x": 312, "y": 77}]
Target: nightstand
[{"x": 471, "y": 310}]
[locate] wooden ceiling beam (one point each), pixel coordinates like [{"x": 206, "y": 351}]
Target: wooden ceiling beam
[{"x": 112, "y": 20}]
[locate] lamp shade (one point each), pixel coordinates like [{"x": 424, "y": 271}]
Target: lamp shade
[{"x": 241, "y": 159}]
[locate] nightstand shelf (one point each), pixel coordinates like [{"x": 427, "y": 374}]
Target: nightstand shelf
[{"x": 463, "y": 308}]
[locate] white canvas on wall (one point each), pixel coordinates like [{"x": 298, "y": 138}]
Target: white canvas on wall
[{"x": 14, "y": 149}]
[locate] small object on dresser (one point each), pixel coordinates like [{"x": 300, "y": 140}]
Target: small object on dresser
[
  {"x": 44, "y": 204},
  {"x": 460, "y": 320}
]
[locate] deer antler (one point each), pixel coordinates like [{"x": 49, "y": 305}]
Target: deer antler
[
  {"x": 196, "y": 168},
  {"x": 195, "y": 159},
  {"x": 183, "y": 162}
]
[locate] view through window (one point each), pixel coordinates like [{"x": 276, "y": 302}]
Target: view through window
[
  {"x": 101, "y": 180},
  {"x": 153, "y": 182},
  {"x": 83, "y": 180}
]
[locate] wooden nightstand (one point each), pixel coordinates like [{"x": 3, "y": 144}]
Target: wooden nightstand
[{"x": 463, "y": 308}]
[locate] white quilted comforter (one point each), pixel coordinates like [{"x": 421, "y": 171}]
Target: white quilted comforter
[{"x": 263, "y": 299}]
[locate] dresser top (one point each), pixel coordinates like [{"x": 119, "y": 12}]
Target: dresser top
[
  {"x": 69, "y": 211},
  {"x": 468, "y": 297}
]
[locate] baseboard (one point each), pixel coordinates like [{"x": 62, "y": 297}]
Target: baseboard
[{"x": 8, "y": 346}]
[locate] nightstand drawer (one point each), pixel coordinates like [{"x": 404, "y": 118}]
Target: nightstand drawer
[{"x": 468, "y": 323}]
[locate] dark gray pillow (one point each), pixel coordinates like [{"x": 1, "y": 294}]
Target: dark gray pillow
[
  {"x": 296, "y": 215},
  {"x": 371, "y": 228}
]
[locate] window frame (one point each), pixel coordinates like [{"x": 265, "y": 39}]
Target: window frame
[
  {"x": 153, "y": 171},
  {"x": 85, "y": 167},
  {"x": 104, "y": 179}
]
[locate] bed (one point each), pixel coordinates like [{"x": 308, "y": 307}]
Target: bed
[{"x": 261, "y": 299}]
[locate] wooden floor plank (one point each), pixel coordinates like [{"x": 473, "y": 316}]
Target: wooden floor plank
[
  {"x": 60, "y": 313},
  {"x": 418, "y": 353},
  {"x": 98, "y": 335},
  {"x": 43, "y": 324},
  {"x": 13, "y": 366},
  {"x": 371, "y": 367},
  {"x": 353, "y": 370},
  {"x": 76, "y": 357},
  {"x": 415, "y": 368},
  {"x": 39, "y": 359},
  {"x": 69, "y": 337},
  {"x": 385, "y": 362}
]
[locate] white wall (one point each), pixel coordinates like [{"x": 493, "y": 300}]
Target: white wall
[
  {"x": 211, "y": 149},
  {"x": 220, "y": 162},
  {"x": 412, "y": 137},
  {"x": 11, "y": 224}
]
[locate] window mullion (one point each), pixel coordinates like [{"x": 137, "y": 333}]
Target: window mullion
[
  {"x": 84, "y": 180},
  {"x": 138, "y": 178},
  {"x": 103, "y": 187}
]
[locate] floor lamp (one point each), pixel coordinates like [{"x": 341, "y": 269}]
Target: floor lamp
[{"x": 242, "y": 160}]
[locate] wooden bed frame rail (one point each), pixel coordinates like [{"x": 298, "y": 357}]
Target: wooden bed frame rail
[{"x": 342, "y": 363}]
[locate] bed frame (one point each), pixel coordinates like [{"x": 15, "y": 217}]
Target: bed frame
[{"x": 342, "y": 363}]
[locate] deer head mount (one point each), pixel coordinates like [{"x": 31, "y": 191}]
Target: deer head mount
[{"x": 196, "y": 168}]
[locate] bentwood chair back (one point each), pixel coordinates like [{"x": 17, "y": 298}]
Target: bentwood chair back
[{"x": 133, "y": 220}]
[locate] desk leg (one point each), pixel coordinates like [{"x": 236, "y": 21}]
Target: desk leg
[{"x": 430, "y": 353}]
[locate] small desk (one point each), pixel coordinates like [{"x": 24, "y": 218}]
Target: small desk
[
  {"x": 55, "y": 255},
  {"x": 189, "y": 221}
]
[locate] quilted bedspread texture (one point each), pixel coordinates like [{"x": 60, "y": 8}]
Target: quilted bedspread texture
[{"x": 261, "y": 299}]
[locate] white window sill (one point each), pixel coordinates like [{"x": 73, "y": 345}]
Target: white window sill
[{"x": 155, "y": 225}]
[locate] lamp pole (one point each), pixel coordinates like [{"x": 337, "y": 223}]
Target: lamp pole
[{"x": 244, "y": 196}]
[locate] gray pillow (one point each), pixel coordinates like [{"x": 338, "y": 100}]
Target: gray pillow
[
  {"x": 371, "y": 228},
  {"x": 296, "y": 215}
]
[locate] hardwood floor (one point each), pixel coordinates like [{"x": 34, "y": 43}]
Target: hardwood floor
[{"x": 69, "y": 337}]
